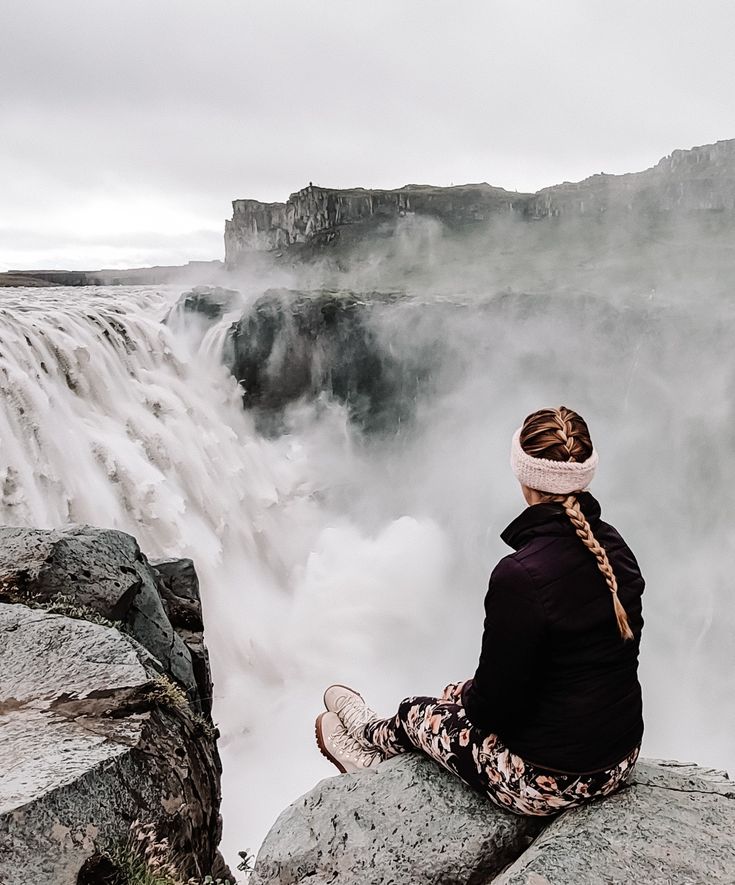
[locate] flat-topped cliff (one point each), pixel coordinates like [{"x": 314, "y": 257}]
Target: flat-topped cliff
[
  {"x": 317, "y": 214},
  {"x": 696, "y": 180}
]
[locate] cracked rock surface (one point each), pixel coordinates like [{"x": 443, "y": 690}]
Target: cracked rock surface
[
  {"x": 96, "y": 730},
  {"x": 409, "y": 822}
]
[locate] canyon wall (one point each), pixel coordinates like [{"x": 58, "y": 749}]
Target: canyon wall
[
  {"x": 318, "y": 215},
  {"x": 698, "y": 180},
  {"x": 701, "y": 179}
]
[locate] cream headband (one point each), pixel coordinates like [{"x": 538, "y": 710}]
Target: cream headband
[{"x": 545, "y": 475}]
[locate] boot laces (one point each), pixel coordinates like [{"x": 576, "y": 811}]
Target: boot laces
[
  {"x": 349, "y": 747},
  {"x": 355, "y": 715}
]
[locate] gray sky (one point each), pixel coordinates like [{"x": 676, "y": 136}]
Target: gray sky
[{"x": 127, "y": 127}]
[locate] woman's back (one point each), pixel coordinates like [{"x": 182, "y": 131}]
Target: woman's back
[{"x": 578, "y": 702}]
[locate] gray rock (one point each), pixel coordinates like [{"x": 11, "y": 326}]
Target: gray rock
[
  {"x": 81, "y": 570},
  {"x": 406, "y": 822},
  {"x": 675, "y": 825},
  {"x": 91, "y": 739},
  {"x": 674, "y": 775},
  {"x": 409, "y": 821},
  {"x": 179, "y": 591}
]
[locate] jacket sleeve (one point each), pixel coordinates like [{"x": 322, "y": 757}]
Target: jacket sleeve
[{"x": 511, "y": 661}]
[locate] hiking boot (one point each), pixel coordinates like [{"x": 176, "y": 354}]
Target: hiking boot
[
  {"x": 337, "y": 745},
  {"x": 352, "y": 710}
]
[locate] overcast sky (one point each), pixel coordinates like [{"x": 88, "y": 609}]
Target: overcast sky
[{"x": 127, "y": 127}]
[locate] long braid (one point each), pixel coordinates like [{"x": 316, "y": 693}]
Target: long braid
[
  {"x": 565, "y": 431},
  {"x": 562, "y": 435},
  {"x": 584, "y": 531}
]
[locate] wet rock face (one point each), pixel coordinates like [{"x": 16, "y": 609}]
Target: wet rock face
[
  {"x": 410, "y": 821},
  {"x": 102, "y": 722},
  {"x": 291, "y": 345},
  {"x": 207, "y": 302}
]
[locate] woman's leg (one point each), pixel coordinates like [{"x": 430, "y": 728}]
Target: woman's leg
[
  {"x": 439, "y": 728},
  {"x": 391, "y": 735},
  {"x": 436, "y": 727}
]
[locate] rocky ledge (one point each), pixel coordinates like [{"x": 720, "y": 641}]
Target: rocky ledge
[
  {"x": 108, "y": 753},
  {"x": 410, "y": 822}
]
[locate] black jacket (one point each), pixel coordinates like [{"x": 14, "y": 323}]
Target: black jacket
[{"x": 556, "y": 681}]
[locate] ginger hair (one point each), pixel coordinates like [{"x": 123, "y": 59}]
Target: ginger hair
[{"x": 562, "y": 435}]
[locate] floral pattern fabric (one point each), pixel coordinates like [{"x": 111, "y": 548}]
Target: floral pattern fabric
[{"x": 439, "y": 728}]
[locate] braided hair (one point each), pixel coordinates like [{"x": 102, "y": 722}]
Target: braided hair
[{"x": 562, "y": 435}]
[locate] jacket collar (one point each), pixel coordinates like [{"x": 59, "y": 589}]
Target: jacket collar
[{"x": 547, "y": 519}]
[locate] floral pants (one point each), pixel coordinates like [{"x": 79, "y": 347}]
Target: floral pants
[{"x": 440, "y": 728}]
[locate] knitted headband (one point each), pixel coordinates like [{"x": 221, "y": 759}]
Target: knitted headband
[{"x": 545, "y": 475}]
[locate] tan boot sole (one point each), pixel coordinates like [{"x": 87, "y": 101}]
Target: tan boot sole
[
  {"x": 339, "y": 685},
  {"x": 323, "y": 747}
]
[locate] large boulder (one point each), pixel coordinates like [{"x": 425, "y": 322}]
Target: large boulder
[
  {"x": 410, "y": 822},
  {"x": 674, "y": 826},
  {"x": 105, "y": 734},
  {"x": 407, "y": 822}
]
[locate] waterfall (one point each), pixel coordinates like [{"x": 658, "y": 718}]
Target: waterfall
[
  {"x": 109, "y": 417},
  {"x": 326, "y": 555}
]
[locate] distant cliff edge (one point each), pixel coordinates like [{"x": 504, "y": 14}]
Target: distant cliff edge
[
  {"x": 696, "y": 180},
  {"x": 191, "y": 272}
]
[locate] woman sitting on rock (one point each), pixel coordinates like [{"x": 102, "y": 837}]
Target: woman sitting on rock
[{"x": 553, "y": 715}]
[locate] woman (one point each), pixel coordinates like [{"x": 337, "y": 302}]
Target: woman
[{"x": 553, "y": 715}]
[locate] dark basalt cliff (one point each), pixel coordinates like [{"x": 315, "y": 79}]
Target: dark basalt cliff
[
  {"x": 698, "y": 180},
  {"x": 317, "y": 214}
]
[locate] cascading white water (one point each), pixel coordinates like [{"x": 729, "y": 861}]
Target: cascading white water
[
  {"x": 323, "y": 556},
  {"x": 109, "y": 418}
]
